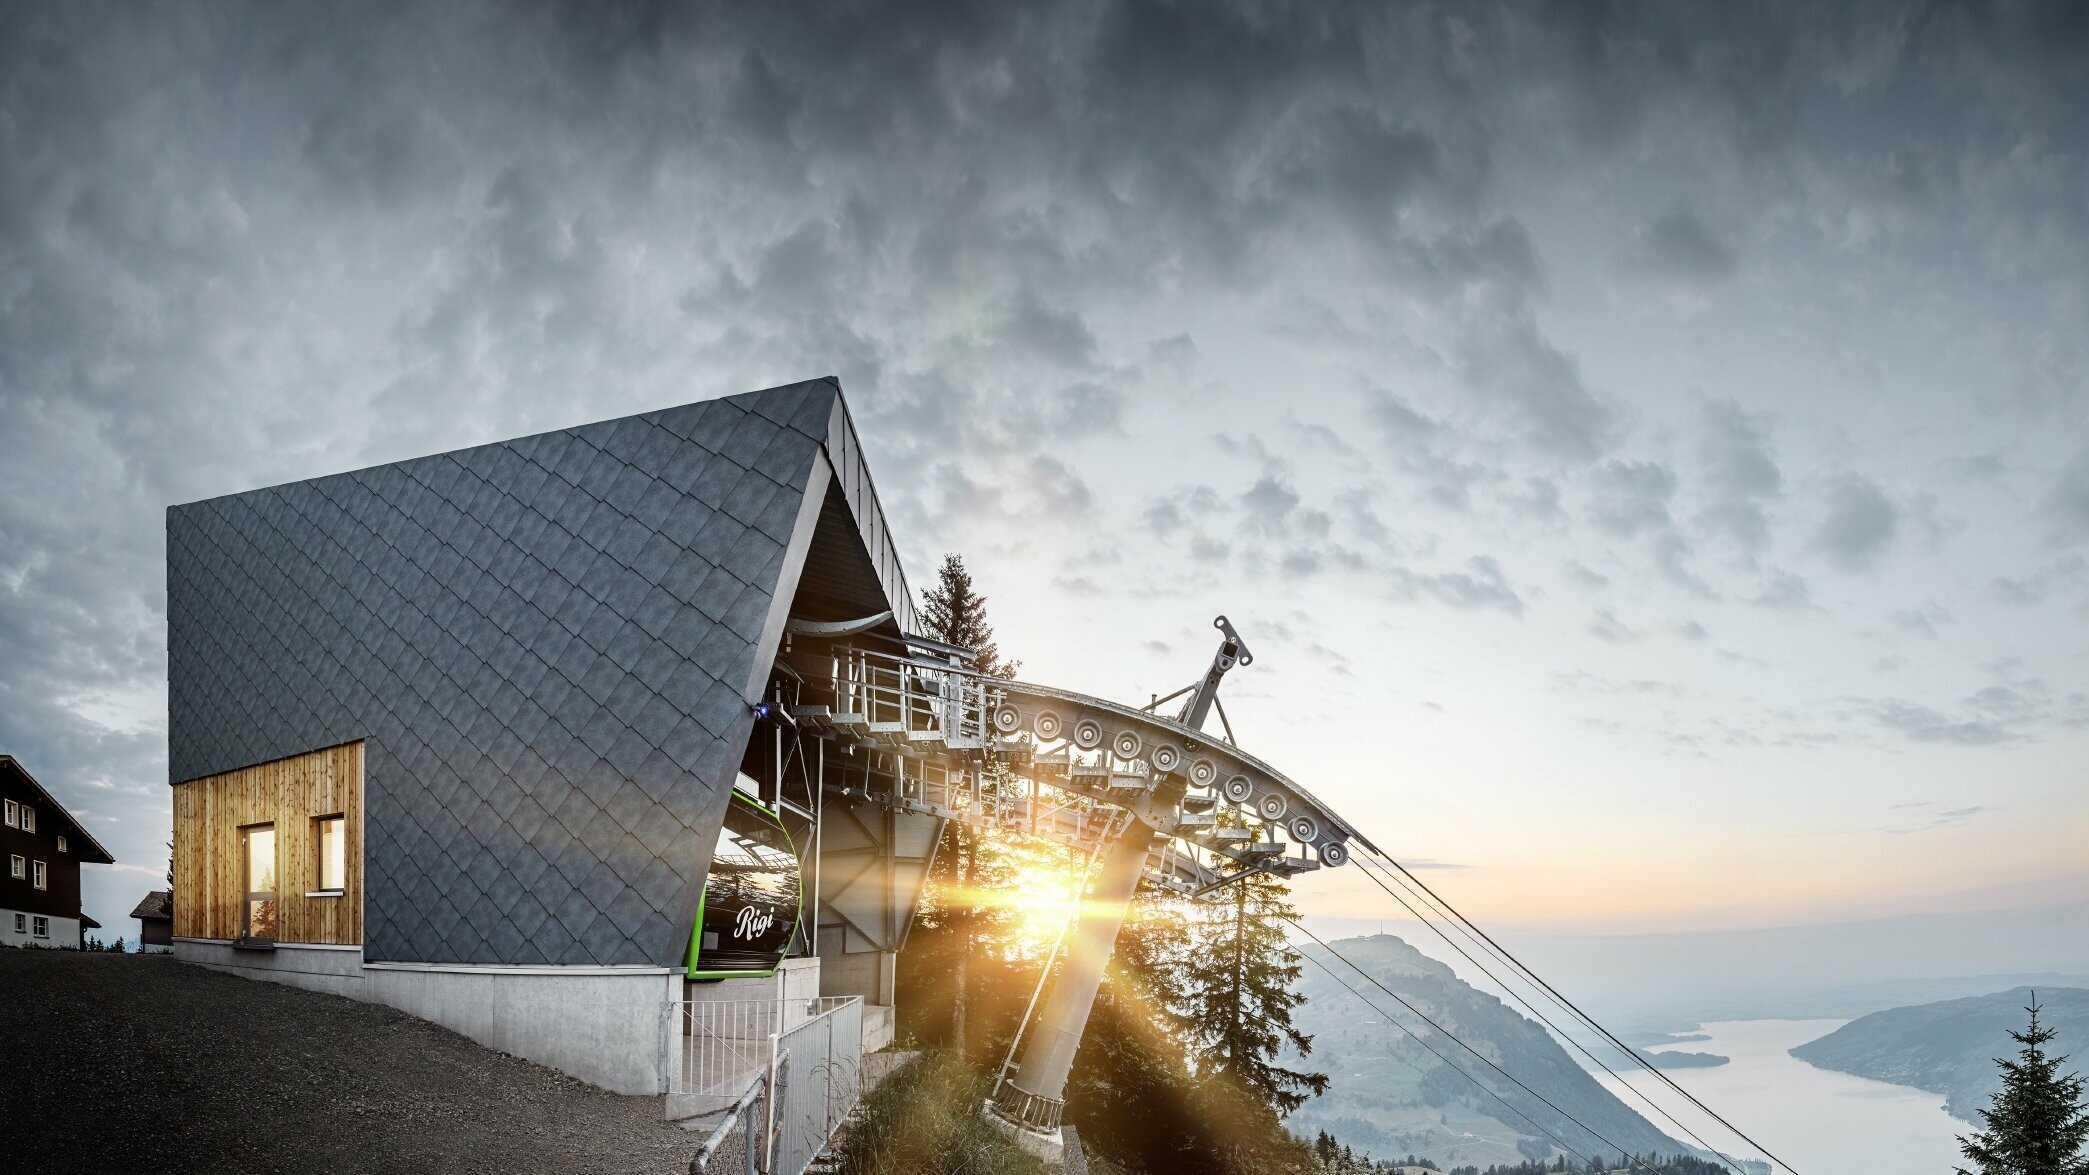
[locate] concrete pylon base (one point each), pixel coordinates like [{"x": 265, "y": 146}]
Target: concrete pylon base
[{"x": 1049, "y": 1146}]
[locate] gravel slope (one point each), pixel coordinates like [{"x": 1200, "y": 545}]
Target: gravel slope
[{"x": 137, "y": 1062}]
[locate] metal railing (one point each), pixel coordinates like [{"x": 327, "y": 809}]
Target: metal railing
[
  {"x": 728, "y": 1042},
  {"x": 817, "y": 1078},
  {"x": 907, "y": 695},
  {"x": 786, "y": 1071},
  {"x": 735, "y": 1146}
]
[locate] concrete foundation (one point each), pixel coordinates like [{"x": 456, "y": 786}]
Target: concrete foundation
[
  {"x": 878, "y": 1027},
  {"x": 616, "y": 1027},
  {"x": 609, "y": 1026},
  {"x": 1048, "y": 1145},
  {"x": 870, "y": 974}
]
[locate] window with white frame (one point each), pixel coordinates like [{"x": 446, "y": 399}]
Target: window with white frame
[
  {"x": 61, "y": 842},
  {"x": 21, "y": 923},
  {"x": 40, "y": 926},
  {"x": 17, "y": 866},
  {"x": 28, "y": 818},
  {"x": 43, "y": 876},
  {"x": 14, "y": 814}
]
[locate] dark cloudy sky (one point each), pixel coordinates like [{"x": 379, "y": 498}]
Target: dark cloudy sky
[{"x": 1644, "y": 444}]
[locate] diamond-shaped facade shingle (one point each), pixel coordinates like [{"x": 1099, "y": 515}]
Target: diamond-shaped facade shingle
[{"x": 547, "y": 646}]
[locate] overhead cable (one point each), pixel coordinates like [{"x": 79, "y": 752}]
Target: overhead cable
[
  {"x": 1512, "y": 1079},
  {"x": 1585, "y": 1018},
  {"x": 1542, "y": 1018}
]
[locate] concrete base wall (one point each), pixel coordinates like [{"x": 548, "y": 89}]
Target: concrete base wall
[
  {"x": 800, "y": 979},
  {"x": 878, "y": 1021},
  {"x": 335, "y": 971},
  {"x": 606, "y": 1025},
  {"x": 870, "y": 974}
]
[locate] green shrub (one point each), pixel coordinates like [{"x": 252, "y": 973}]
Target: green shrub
[{"x": 924, "y": 1120}]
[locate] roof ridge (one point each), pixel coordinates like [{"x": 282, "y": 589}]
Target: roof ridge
[
  {"x": 62, "y": 810},
  {"x": 831, "y": 383}
]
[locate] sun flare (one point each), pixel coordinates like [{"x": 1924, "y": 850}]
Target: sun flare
[
  {"x": 1041, "y": 905},
  {"x": 1040, "y": 895}
]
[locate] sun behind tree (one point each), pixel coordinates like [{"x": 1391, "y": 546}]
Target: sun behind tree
[
  {"x": 967, "y": 911},
  {"x": 2038, "y": 1122}
]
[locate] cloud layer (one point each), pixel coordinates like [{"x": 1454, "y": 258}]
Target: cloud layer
[{"x": 1647, "y": 341}]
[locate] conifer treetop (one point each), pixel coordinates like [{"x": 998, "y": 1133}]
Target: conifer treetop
[
  {"x": 2038, "y": 1123},
  {"x": 955, "y": 613}
]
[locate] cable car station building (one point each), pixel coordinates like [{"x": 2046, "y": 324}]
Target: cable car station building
[{"x": 553, "y": 740}]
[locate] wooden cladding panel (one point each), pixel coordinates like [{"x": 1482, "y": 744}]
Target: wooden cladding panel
[{"x": 209, "y": 883}]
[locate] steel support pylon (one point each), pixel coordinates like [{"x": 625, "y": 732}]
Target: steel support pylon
[{"x": 1030, "y": 1102}]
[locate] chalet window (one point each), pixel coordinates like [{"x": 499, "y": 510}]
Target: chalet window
[
  {"x": 61, "y": 844},
  {"x": 42, "y": 926},
  {"x": 13, "y": 814},
  {"x": 257, "y": 845},
  {"x": 330, "y": 838},
  {"x": 17, "y": 866},
  {"x": 28, "y": 818},
  {"x": 43, "y": 876},
  {"x": 21, "y": 923}
]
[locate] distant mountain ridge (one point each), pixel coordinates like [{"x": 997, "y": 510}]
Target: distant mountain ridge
[
  {"x": 1949, "y": 1047},
  {"x": 1838, "y": 970},
  {"x": 1389, "y": 1095}
]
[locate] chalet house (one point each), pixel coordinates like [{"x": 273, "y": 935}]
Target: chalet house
[
  {"x": 467, "y": 734},
  {"x": 155, "y": 915},
  {"x": 44, "y": 847}
]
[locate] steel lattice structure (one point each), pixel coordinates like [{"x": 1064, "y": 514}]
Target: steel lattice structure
[{"x": 1139, "y": 791}]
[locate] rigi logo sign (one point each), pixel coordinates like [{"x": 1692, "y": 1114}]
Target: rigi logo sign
[{"x": 752, "y": 922}]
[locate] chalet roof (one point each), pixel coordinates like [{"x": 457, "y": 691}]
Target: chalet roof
[
  {"x": 97, "y": 855},
  {"x": 157, "y": 905},
  {"x": 550, "y": 646}
]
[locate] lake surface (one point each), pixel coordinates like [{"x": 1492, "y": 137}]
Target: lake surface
[{"x": 1821, "y": 1121}]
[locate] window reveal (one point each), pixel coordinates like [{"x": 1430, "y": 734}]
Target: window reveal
[
  {"x": 258, "y": 858},
  {"x": 332, "y": 857}
]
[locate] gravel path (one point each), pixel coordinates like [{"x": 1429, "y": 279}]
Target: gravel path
[{"x": 139, "y": 1063}]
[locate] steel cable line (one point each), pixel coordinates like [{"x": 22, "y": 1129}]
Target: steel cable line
[
  {"x": 1397, "y": 998},
  {"x": 1426, "y": 920},
  {"x": 1534, "y": 978},
  {"x": 1448, "y": 1063}
]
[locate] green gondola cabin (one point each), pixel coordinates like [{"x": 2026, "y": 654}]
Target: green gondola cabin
[{"x": 750, "y": 908}]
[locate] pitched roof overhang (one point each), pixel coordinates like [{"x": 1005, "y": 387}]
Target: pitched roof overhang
[
  {"x": 157, "y": 905},
  {"x": 599, "y": 607},
  {"x": 99, "y": 855}
]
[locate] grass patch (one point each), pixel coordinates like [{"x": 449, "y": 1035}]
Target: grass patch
[{"x": 924, "y": 1120}]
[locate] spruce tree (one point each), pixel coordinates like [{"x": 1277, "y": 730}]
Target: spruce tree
[
  {"x": 2038, "y": 1123},
  {"x": 966, "y": 862},
  {"x": 1240, "y": 995},
  {"x": 955, "y": 613},
  {"x": 1134, "y": 1093},
  {"x": 1125, "y": 1092}
]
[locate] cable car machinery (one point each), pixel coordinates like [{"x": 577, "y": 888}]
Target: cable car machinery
[{"x": 1137, "y": 792}]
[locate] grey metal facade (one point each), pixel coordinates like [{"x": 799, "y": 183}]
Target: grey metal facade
[{"x": 549, "y": 645}]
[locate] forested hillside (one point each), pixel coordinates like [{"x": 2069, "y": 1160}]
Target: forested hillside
[
  {"x": 1389, "y": 1094},
  {"x": 1950, "y": 1047}
]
